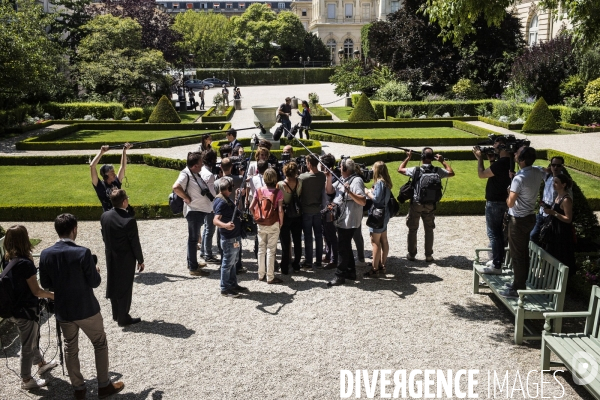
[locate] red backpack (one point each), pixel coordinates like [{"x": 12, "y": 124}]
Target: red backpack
[{"x": 265, "y": 211}]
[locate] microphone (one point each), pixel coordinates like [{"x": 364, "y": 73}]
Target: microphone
[
  {"x": 263, "y": 131},
  {"x": 293, "y": 132}
]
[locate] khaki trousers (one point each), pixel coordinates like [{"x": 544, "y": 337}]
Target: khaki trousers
[
  {"x": 267, "y": 249},
  {"x": 93, "y": 327},
  {"x": 416, "y": 212}
]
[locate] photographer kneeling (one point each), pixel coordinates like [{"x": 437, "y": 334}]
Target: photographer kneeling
[{"x": 71, "y": 271}]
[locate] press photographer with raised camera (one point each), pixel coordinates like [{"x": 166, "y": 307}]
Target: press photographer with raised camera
[
  {"x": 110, "y": 180},
  {"x": 207, "y": 176},
  {"x": 498, "y": 179}
]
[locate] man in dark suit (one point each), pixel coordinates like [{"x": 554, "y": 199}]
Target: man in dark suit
[
  {"x": 70, "y": 270},
  {"x": 233, "y": 142},
  {"x": 123, "y": 249}
]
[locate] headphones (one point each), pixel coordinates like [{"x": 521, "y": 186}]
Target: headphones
[
  {"x": 230, "y": 182},
  {"x": 425, "y": 155},
  {"x": 521, "y": 156},
  {"x": 344, "y": 167}
]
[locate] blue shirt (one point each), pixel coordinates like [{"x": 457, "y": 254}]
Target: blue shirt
[{"x": 225, "y": 210}]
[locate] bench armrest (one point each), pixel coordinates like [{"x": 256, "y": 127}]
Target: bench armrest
[
  {"x": 576, "y": 314},
  {"x": 486, "y": 249},
  {"x": 525, "y": 292}
]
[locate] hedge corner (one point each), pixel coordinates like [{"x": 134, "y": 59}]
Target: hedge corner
[
  {"x": 363, "y": 111},
  {"x": 541, "y": 119},
  {"x": 164, "y": 112}
]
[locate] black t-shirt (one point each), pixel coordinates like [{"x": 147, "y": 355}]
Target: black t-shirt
[
  {"x": 103, "y": 190},
  {"x": 21, "y": 271},
  {"x": 225, "y": 210},
  {"x": 287, "y": 109},
  {"x": 496, "y": 187}
]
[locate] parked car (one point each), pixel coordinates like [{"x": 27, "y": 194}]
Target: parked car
[
  {"x": 217, "y": 82},
  {"x": 198, "y": 84}
]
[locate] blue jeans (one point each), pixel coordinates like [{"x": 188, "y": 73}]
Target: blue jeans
[
  {"x": 207, "y": 236},
  {"x": 494, "y": 218},
  {"x": 230, "y": 258},
  {"x": 534, "y": 236},
  {"x": 287, "y": 123},
  {"x": 311, "y": 223},
  {"x": 195, "y": 220}
]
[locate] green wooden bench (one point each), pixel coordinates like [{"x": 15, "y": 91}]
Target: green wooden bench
[
  {"x": 546, "y": 287},
  {"x": 578, "y": 352}
]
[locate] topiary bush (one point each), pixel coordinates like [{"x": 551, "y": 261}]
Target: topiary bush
[
  {"x": 164, "y": 112},
  {"x": 592, "y": 93},
  {"x": 363, "y": 111},
  {"x": 540, "y": 119},
  {"x": 394, "y": 91},
  {"x": 466, "y": 89}
]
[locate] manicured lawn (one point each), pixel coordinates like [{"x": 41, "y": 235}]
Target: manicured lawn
[
  {"x": 341, "y": 112},
  {"x": 147, "y": 185},
  {"x": 190, "y": 117},
  {"x": 402, "y": 133},
  {"x": 108, "y": 135},
  {"x": 466, "y": 185}
]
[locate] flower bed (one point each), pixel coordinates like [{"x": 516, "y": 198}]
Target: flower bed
[{"x": 210, "y": 115}]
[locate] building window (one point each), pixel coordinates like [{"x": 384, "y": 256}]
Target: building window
[
  {"x": 395, "y": 6},
  {"x": 304, "y": 12},
  {"x": 349, "y": 10},
  {"x": 331, "y": 44},
  {"x": 204, "y": 5},
  {"x": 348, "y": 48},
  {"x": 242, "y": 5},
  {"x": 533, "y": 31},
  {"x": 331, "y": 11},
  {"x": 366, "y": 12},
  {"x": 189, "y": 5},
  {"x": 216, "y": 6},
  {"x": 175, "y": 6},
  {"x": 280, "y": 5},
  {"x": 228, "y": 5}
]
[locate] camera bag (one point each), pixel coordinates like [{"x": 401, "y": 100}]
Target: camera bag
[
  {"x": 7, "y": 295},
  {"x": 176, "y": 202}
]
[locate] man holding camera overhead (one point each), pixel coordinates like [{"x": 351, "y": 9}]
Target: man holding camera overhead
[
  {"x": 498, "y": 179},
  {"x": 428, "y": 191},
  {"x": 71, "y": 272}
]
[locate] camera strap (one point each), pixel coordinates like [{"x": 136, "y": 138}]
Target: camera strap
[{"x": 208, "y": 193}]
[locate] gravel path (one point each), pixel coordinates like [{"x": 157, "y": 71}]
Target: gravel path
[{"x": 291, "y": 341}]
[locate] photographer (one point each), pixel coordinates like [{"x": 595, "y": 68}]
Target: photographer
[
  {"x": 350, "y": 197},
  {"x": 22, "y": 274},
  {"x": 70, "y": 270},
  {"x": 195, "y": 207},
  {"x": 209, "y": 160},
  {"x": 311, "y": 198},
  {"x": 110, "y": 180},
  {"x": 421, "y": 208},
  {"x": 557, "y": 165},
  {"x": 328, "y": 225},
  {"x": 498, "y": 179},
  {"x": 285, "y": 112}
]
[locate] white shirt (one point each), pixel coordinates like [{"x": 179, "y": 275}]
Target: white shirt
[{"x": 199, "y": 202}]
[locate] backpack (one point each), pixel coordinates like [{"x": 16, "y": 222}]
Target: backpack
[
  {"x": 265, "y": 211},
  {"x": 292, "y": 210},
  {"x": 429, "y": 189},
  {"x": 7, "y": 295},
  {"x": 393, "y": 206}
]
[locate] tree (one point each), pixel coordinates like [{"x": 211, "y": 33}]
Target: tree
[
  {"x": 253, "y": 35},
  {"x": 457, "y": 18},
  {"x": 351, "y": 76},
  {"x": 204, "y": 34},
  {"x": 156, "y": 24},
  {"x": 69, "y": 16},
  {"x": 31, "y": 62},
  {"x": 113, "y": 64}
]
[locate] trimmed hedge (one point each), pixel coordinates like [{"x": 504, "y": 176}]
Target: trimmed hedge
[
  {"x": 207, "y": 117},
  {"x": 581, "y": 116},
  {"x": 505, "y": 125},
  {"x": 80, "y": 110},
  {"x": 68, "y": 159},
  {"x": 87, "y": 212},
  {"x": 388, "y": 118},
  {"x": 313, "y": 145},
  {"x": 164, "y": 112},
  {"x": 540, "y": 120},
  {"x": 474, "y": 129},
  {"x": 416, "y": 123},
  {"x": 363, "y": 111},
  {"x": 268, "y": 76},
  {"x": 577, "y": 163},
  {"x": 27, "y": 128},
  {"x": 579, "y": 128},
  {"x": 430, "y": 108}
]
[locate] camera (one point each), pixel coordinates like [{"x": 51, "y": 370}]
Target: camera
[
  {"x": 365, "y": 173},
  {"x": 511, "y": 144}
]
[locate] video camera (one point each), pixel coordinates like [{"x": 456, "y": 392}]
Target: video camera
[
  {"x": 512, "y": 144},
  {"x": 300, "y": 161},
  {"x": 365, "y": 173}
]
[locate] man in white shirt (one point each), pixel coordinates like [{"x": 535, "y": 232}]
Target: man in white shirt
[{"x": 209, "y": 160}]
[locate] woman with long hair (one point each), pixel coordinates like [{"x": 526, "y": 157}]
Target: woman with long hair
[
  {"x": 560, "y": 241},
  {"x": 380, "y": 194},
  {"x": 25, "y": 313},
  {"x": 306, "y": 118},
  {"x": 291, "y": 188},
  {"x": 205, "y": 144}
]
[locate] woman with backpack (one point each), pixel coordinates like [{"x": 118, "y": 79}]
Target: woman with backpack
[
  {"x": 291, "y": 188},
  {"x": 25, "y": 309},
  {"x": 380, "y": 193},
  {"x": 267, "y": 209}
]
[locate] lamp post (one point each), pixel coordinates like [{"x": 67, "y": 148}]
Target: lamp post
[
  {"x": 341, "y": 56},
  {"x": 304, "y": 68}
]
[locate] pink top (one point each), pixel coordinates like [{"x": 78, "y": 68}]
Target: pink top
[{"x": 268, "y": 192}]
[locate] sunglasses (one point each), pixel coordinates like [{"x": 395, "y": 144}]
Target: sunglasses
[{"x": 557, "y": 165}]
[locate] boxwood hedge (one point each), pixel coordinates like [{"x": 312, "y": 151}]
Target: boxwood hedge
[
  {"x": 579, "y": 128},
  {"x": 207, "y": 117}
]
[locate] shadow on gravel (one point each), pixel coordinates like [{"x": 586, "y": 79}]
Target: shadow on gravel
[
  {"x": 155, "y": 278},
  {"x": 458, "y": 262},
  {"x": 270, "y": 299},
  {"x": 161, "y": 327}
]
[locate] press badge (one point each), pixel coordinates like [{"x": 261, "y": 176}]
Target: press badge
[{"x": 236, "y": 245}]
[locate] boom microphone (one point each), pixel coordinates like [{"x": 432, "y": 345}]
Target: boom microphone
[{"x": 294, "y": 131}]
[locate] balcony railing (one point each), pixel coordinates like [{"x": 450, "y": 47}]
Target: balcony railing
[{"x": 351, "y": 20}]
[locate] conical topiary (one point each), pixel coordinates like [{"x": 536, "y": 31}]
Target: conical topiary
[
  {"x": 363, "y": 111},
  {"x": 164, "y": 112},
  {"x": 541, "y": 119}
]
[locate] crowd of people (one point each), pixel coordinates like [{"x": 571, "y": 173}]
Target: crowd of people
[{"x": 312, "y": 205}]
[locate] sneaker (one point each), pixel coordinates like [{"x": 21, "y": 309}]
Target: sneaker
[
  {"x": 509, "y": 294},
  {"x": 47, "y": 367},
  {"x": 230, "y": 293},
  {"x": 240, "y": 288},
  {"x": 201, "y": 264},
  {"x": 212, "y": 260},
  {"x": 359, "y": 263},
  {"x": 409, "y": 257},
  {"x": 490, "y": 264},
  {"x": 33, "y": 383},
  {"x": 491, "y": 271},
  {"x": 242, "y": 270},
  {"x": 111, "y": 389},
  {"x": 429, "y": 259},
  {"x": 199, "y": 272}
]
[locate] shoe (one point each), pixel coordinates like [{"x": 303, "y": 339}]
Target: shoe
[
  {"x": 491, "y": 271},
  {"x": 212, "y": 260},
  {"x": 239, "y": 288},
  {"x": 370, "y": 265},
  {"x": 382, "y": 270},
  {"x": 263, "y": 279},
  {"x": 306, "y": 267},
  {"x": 508, "y": 285},
  {"x": 490, "y": 264},
  {"x": 351, "y": 276},
  {"x": 33, "y": 383},
  {"x": 429, "y": 259},
  {"x": 242, "y": 270},
  {"x": 296, "y": 269},
  {"x": 509, "y": 294},
  {"x": 111, "y": 389},
  {"x": 80, "y": 394},
  {"x": 230, "y": 293},
  {"x": 330, "y": 266},
  {"x": 409, "y": 257},
  {"x": 199, "y": 272},
  {"x": 337, "y": 281},
  {"x": 132, "y": 321},
  {"x": 372, "y": 273},
  {"x": 47, "y": 367},
  {"x": 359, "y": 263},
  {"x": 274, "y": 281}
]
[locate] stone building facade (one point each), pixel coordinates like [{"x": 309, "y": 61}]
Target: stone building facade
[{"x": 538, "y": 25}]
